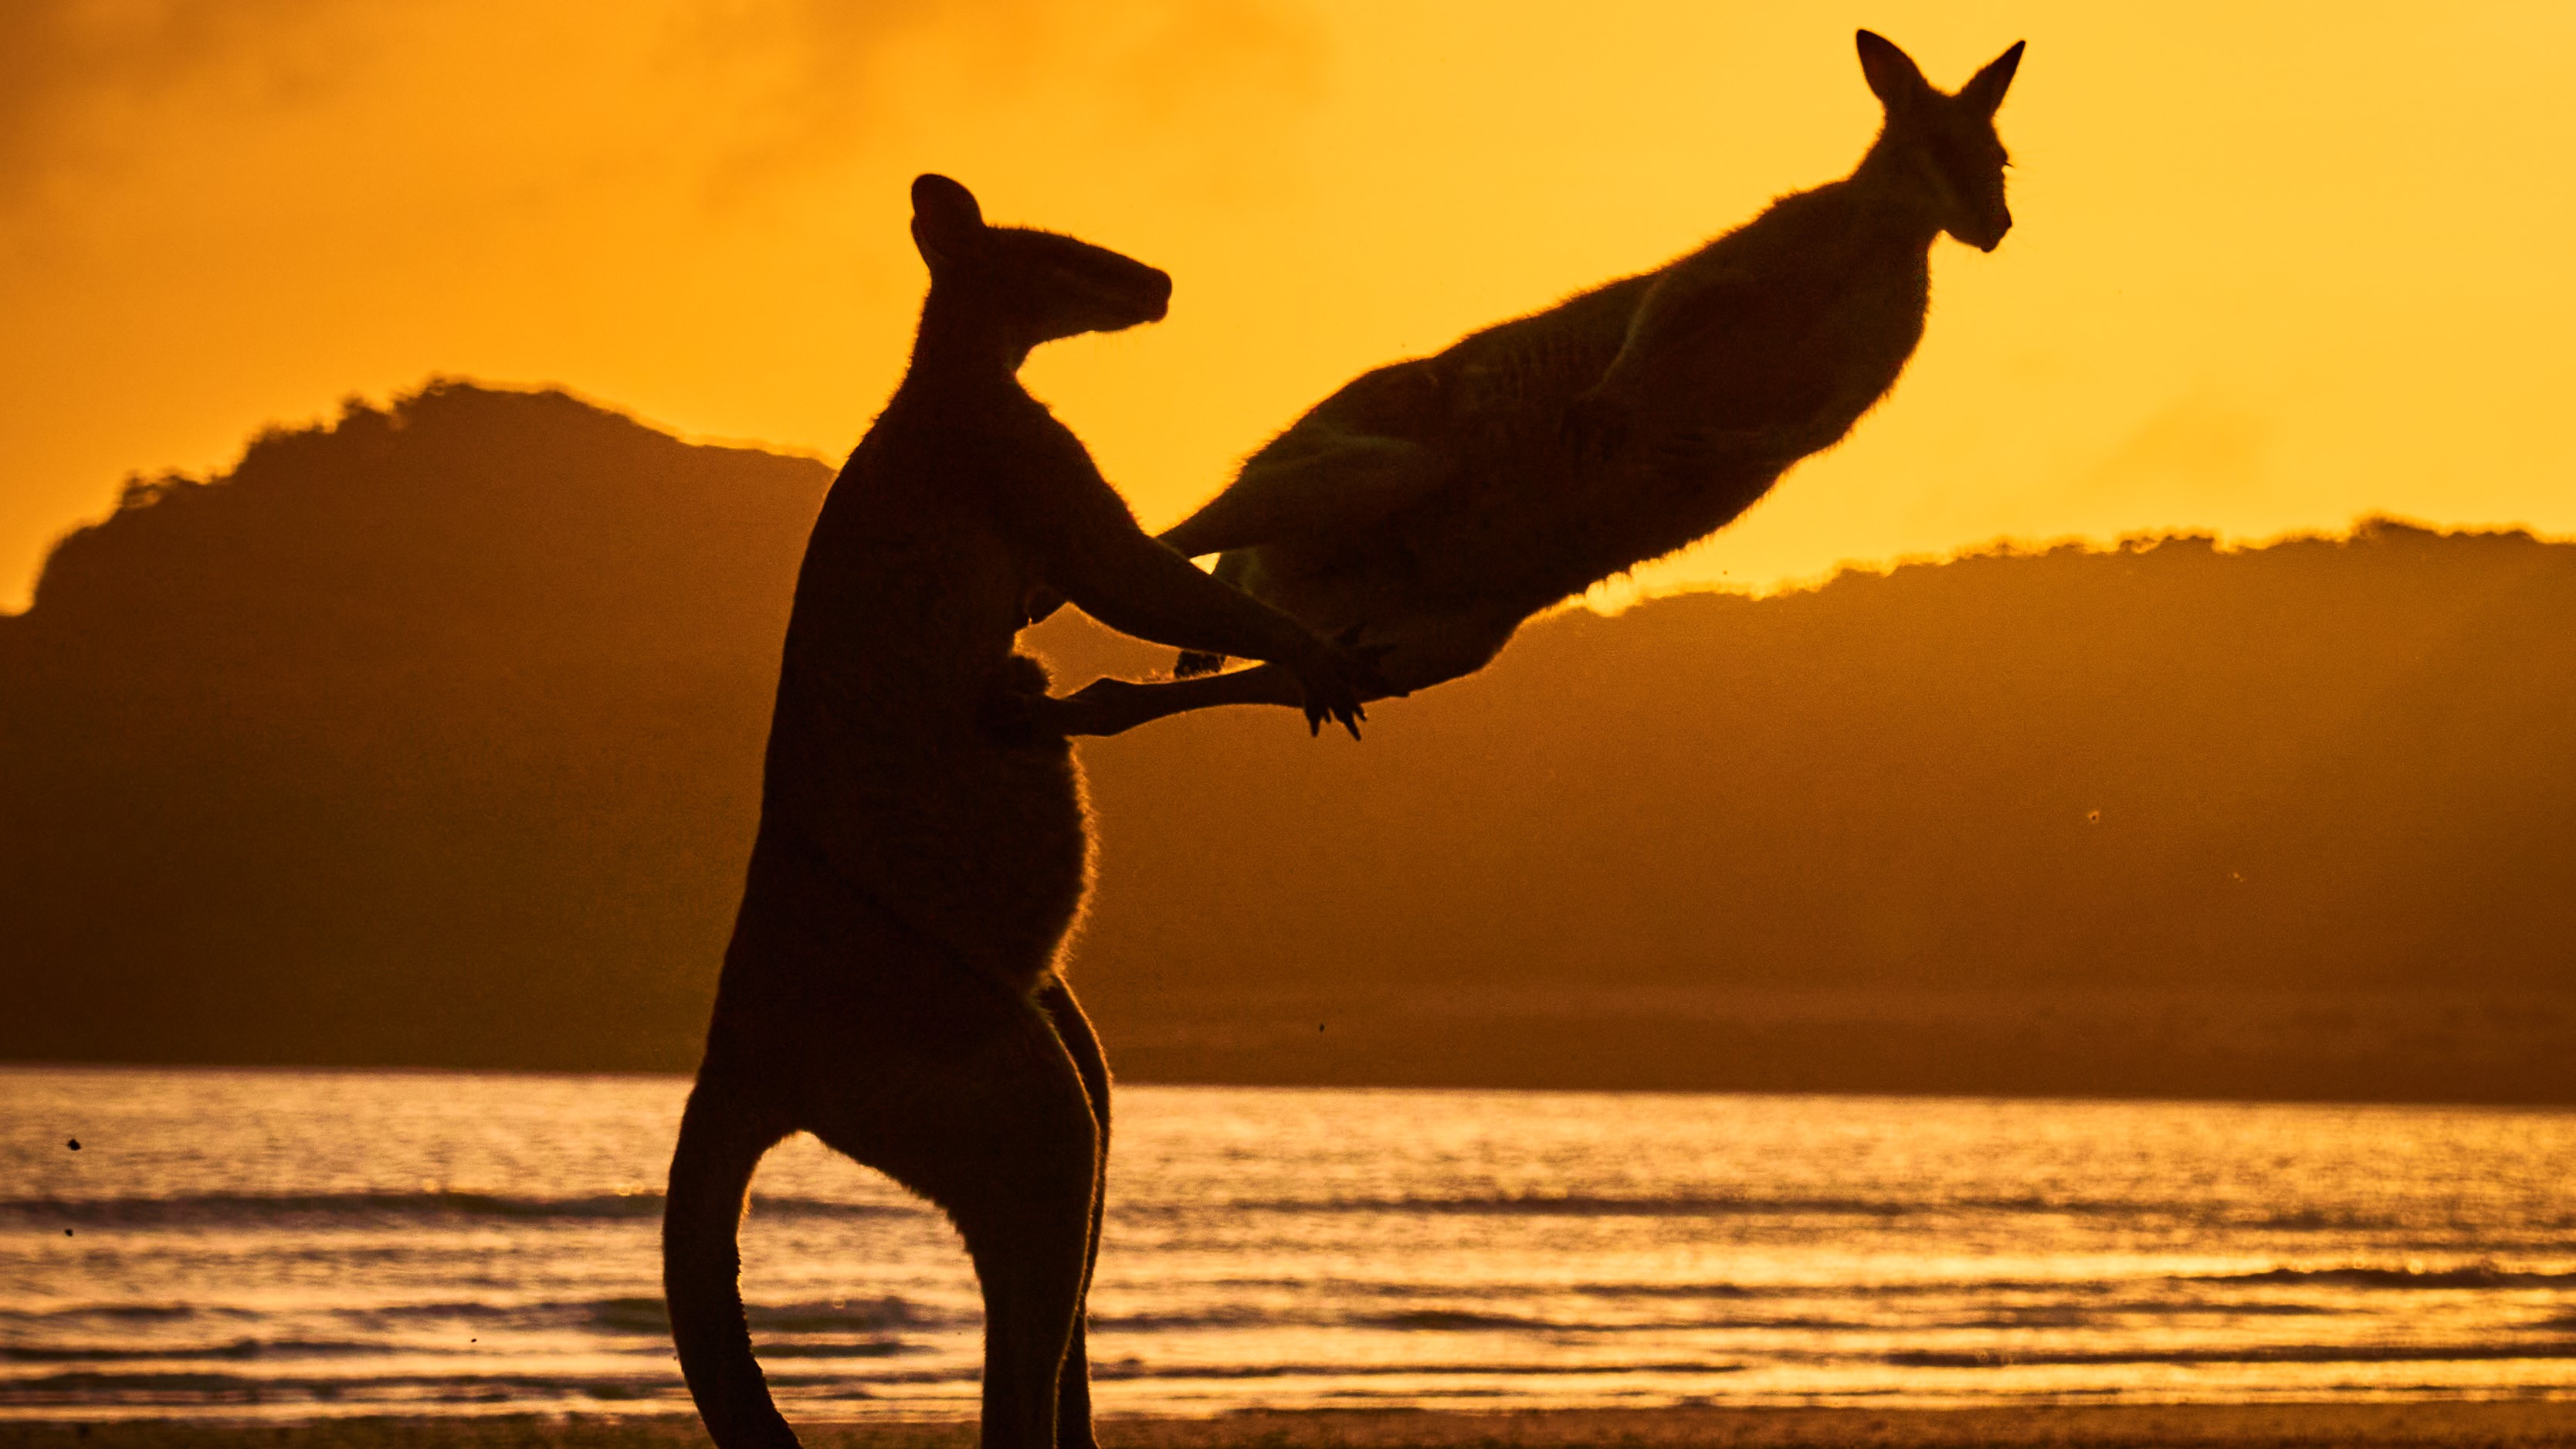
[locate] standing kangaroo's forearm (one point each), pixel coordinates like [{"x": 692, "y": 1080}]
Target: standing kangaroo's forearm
[{"x": 1104, "y": 562}]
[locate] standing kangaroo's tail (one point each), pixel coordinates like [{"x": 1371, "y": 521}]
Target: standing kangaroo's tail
[{"x": 720, "y": 1144}]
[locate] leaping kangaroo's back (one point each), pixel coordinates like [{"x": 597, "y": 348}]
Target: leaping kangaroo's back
[{"x": 1433, "y": 504}]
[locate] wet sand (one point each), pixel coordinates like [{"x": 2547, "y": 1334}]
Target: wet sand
[{"x": 2519, "y": 1423}]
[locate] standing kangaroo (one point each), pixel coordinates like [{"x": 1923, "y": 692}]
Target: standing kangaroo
[
  {"x": 892, "y": 985},
  {"x": 1437, "y": 503}
]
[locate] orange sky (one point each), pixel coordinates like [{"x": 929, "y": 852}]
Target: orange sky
[{"x": 2275, "y": 266}]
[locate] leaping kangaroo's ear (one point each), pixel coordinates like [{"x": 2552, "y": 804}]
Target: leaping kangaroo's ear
[
  {"x": 1985, "y": 90},
  {"x": 946, "y": 222},
  {"x": 1893, "y": 76}
]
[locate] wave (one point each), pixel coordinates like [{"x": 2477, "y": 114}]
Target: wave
[
  {"x": 246, "y": 1348},
  {"x": 650, "y": 1315},
  {"x": 244, "y": 1209},
  {"x": 864, "y": 1348},
  {"x": 2209, "y": 1212},
  {"x": 1419, "y": 1320},
  {"x": 1427, "y": 1320},
  {"x": 185, "y": 1388},
  {"x": 877, "y": 1328},
  {"x": 2480, "y": 1275},
  {"x": 127, "y": 1313},
  {"x": 1132, "y": 1370},
  {"x": 1449, "y": 1320},
  {"x": 89, "y": 1387},
  {"x": 1401, "y": 1289},
  {"x": 2101, "y": 1297},
  {"x": 209, "y": 1209},
  {"x": 1574, "y": 1205},
  {"x": 404, "y": 1322},
  {"x": 179, "y": 1388},
  {"x": 142, "y": 1331},
  {"x": 2261, "y": 1354},
  {"x": 262, "y": 1209}
]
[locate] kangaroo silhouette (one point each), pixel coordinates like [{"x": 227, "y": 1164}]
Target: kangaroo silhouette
[
  {"x": 1436, "y": 503},
  {"x": 893, "y": 981}
]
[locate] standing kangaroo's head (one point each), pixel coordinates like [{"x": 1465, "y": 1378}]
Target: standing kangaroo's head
[
  {"x": 1031, "y": 286},
  {"x": 1949, "y": 140}
]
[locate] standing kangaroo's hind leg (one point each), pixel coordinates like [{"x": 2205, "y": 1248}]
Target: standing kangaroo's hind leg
[{"x": 1002, "y": 1138}]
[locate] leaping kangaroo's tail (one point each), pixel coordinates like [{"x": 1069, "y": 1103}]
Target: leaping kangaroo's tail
[{"x": 720, "y": 1143}]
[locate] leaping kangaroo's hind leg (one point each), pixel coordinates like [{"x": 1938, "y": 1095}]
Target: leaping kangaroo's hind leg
[
  {"x": 1073, "y": 1396},
  {"x": 999, "y": 1132}
]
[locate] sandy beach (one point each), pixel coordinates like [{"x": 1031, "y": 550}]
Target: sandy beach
[{"x": 2444, "y": 1424}]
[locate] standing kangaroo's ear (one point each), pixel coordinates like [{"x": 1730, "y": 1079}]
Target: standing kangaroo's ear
[
  {"x": 1985, "y": 89},
  {"x": 946, "y": 222},
  {"x": 1893, "y": 76}
]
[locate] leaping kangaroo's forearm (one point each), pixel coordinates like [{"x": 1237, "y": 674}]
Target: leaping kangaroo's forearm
[{"x": 1691, "y": 309}]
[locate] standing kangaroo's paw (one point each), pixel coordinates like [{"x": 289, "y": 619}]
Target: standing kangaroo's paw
[
  {"x": 1105, "y": 706},
  {"x": 1012, "y": 717}
]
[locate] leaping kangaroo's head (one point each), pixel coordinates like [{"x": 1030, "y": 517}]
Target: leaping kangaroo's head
[
  {"x": 1033, "y": 286},
  {"x": 1950, "y": 139}
]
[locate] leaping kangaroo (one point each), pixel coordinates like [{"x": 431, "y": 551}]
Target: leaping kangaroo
[
  {"x": 1434, "y": 504},
  {"x": 892, "y": 985}
]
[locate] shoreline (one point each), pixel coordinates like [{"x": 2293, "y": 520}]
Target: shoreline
[{"x": 2452, "y": 1424}]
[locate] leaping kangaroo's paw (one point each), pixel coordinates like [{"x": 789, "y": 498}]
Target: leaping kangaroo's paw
[
  {"x": 1595, "y": 428},
  {"x": 1370, "y": 677}
]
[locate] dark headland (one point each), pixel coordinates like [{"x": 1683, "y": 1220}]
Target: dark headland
[{"x": 431, "y": 737}]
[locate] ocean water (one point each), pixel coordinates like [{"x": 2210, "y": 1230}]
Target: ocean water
[{"x": 302, "y": 1244}]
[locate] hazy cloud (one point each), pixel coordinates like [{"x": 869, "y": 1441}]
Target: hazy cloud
[
  {"x": 2202, "y": 444},
  {"x": 744, "y": 91},
  {"x": 1227, "y": 74},
  {"x": 80, "y": 80},
  {"x": 1204, "y": 81}
]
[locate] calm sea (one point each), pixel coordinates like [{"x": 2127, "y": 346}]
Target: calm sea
[{"x": 305, "y": 1244}]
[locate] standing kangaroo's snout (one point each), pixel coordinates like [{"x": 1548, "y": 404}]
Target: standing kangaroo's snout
[
  {"x": 1093, "y": 289},
  {"x": 1158, "y": 295},
  {"x": 1138, "y": 292}
]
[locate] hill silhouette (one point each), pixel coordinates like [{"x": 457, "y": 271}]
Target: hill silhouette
[{"x": 432, "y": 738}]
